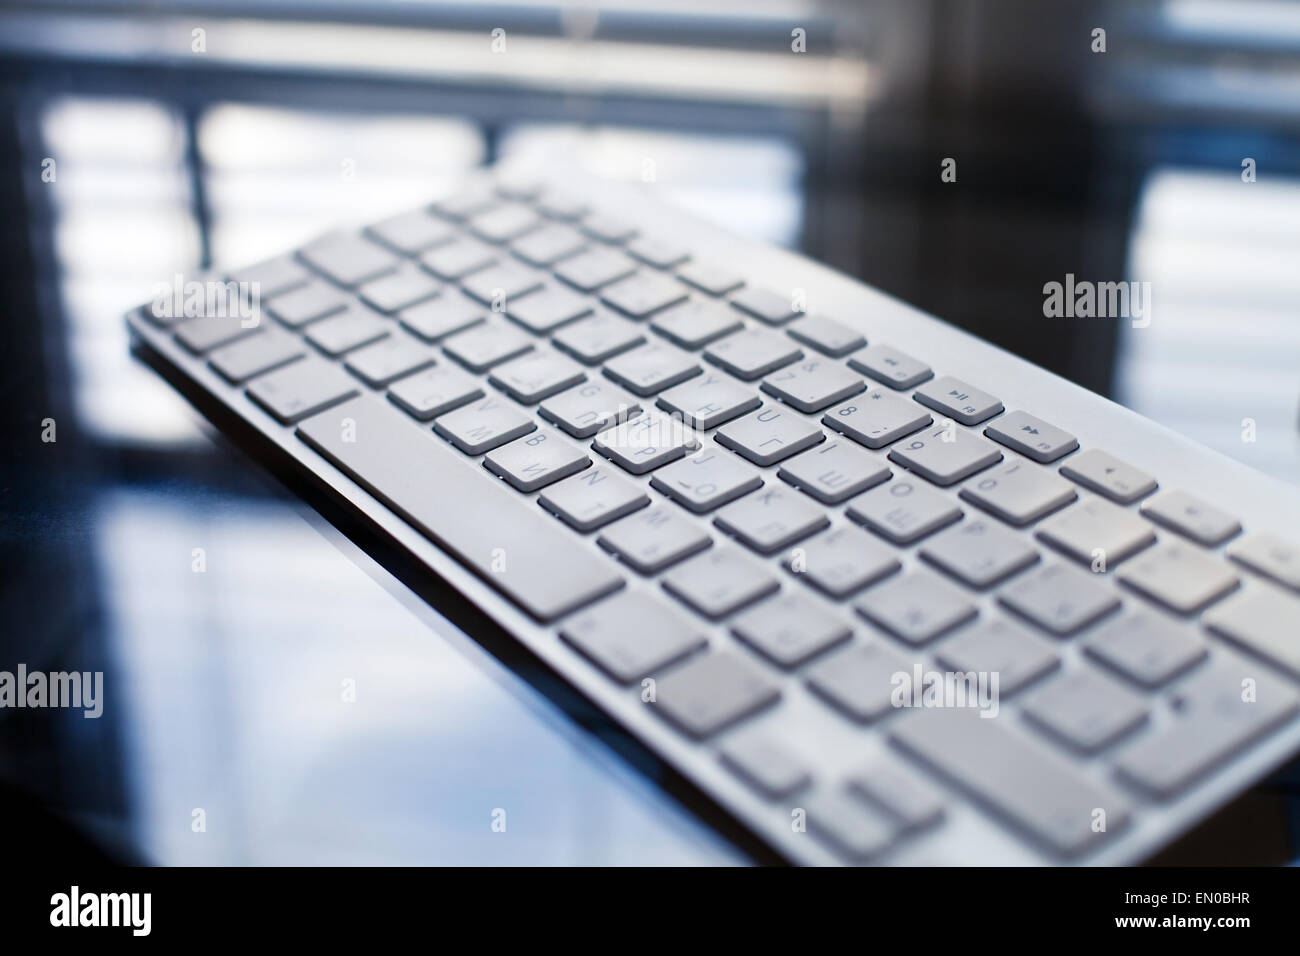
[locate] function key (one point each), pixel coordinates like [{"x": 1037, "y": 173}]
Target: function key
[
  {"x": 1105, "y": 474},
  {"x": 963, "y": 402},
  {"x": 891, "y": 367},
  {"x": 1270, "y": 556},
  {"x": 772, "y": 307},
  {"x": 1191, "y": 517},
  {"x": 1032, "y": 437},
  {"x": 711, "y": 279},
  {"x": 826, "y": 335}
]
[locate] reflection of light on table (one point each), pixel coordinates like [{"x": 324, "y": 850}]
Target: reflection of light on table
[{"x": 231, "y": 683}]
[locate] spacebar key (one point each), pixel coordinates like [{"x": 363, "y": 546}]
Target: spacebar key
[
  {"x": 1016, "y": 776},
  {"x": 526, "y": 555}
]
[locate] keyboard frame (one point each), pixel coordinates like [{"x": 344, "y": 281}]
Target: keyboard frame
[{"x": 967, "y": 837}]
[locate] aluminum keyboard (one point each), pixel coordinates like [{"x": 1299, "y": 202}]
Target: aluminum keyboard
[{"x": 740, "y": 527}]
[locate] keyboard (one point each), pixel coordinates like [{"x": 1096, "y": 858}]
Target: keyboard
[{"x": 880, "y": 591}]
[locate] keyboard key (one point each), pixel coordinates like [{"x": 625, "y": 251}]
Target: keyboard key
[
  {"x": 593, "y": 498},
  {"x": 400, "y": 289},
  {"x": 562, "y": 206},
  {"x": 855, "y": 830},
  {"x": 1270, "y": 556},
  {"x": 652, "y": 539},
  {"x": 963, "y": 402},
  {"x": 834, "y": 471},
  {"x": 900, "y": 792},
  {"x": 643, "y": 294},
  {"x": 999, "y": 647},
  {"x": 273, "y": 276},
  {"x": 1018, "y": 492},
  {"x": 1179, "y": 576},
  {"x": 249, "y": 357},
  {"x": 711, "y": 692},
  {"x": 904, "y": 510},
  {"x": 646, "y": 442},
  {"x": 633, "y": 634},
  {"x": 714, "y": 280},
  {"x": 826, "y": 335},
  {"x": 544, "y": 311},
  {"x": 1020, "y": 779},
  {"x": 412, "y": 233},
  {"x": 302, "y": 389},
  {"x": 504, "y": 223},
  {"x": 1215, "y": 720},
  {"x": 889, "y": 366},
  {"x": 535, "y": 461},
  {"x": 456, "y": 260},
  {"x": 483, "y": 346},
  {"x": 877, "y": 419},
  {"x": 438, "y": 318},
  {"x": 752, "y": 353},
  {"x": 790, "y": 629},
  {"x": 1096, "y": 531},
  {"x": 208, "y": 332},
  {"x": 945, "y": 456},
  {"x": 842, "y": 562},
  {"x": 859, "y": 680},
  {"x": 466, "y": 203},
  {"x": 979, "y": 553},
  {"x": 483, "y": 425},
  {"x": 306, "y": 303},
  {"x": 433, "y": 392},
  {"x": 771, "y": 519},
  {"x": 388, "y": 360},
  {"x": 652, "y": 368},
  {"x": 1060, "y": 599},
  {"x": 546, "y": 570},
  {"x": 348, "y": 260},
  {"x": 346, "y": 331},
  {"x": 171, "y": 307},
  {"x": 696, "y": 323},
  {"x": 590, "y": 407},
  {"x": 1032, "y": 437},
  {"x": 813, "y": 384},
  {"x": 588, "y": 271},
  {"x": 720, "y": 581},
  {"x": 766, "y": 763},
  {"x": 1085, "y": 709},
  {"x": 521, "y": 187},
  {"x": 1263, "y": 621},
  {"x": 1107, "y": 475},
  {"x": 708, "y": 400},
  {"x": 707, "y": 479},
  {"x": 769, "y": 435},
  {"x": 608, "y": 228},
  {"x": 916, "y": 607},
  {"x": 657, "y": 252},
  {"x": 774, "y": 308},
  {"x": 548, "y": 245},
  {"x": 1191, "y": 517},
  {"x": 500, "y": 285},
  {"x": 599, "y": 338},
  {"x": 1145, "y": 647},
  {"x": 537, "y": 375}
]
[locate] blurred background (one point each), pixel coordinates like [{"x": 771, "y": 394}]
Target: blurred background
[{"x": 142, "y": 139}]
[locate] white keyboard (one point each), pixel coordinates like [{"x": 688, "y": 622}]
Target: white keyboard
[{"x": 882, "y": 592}]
